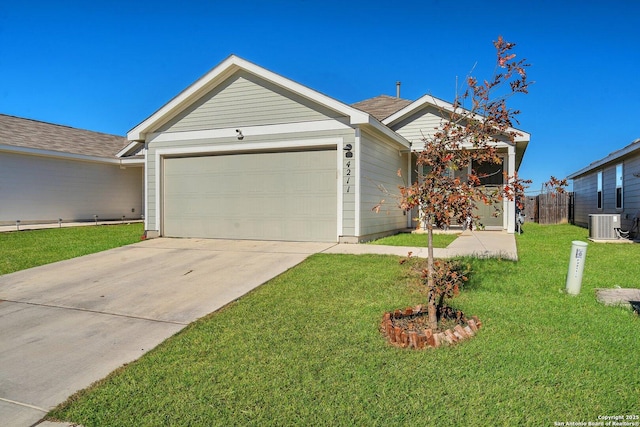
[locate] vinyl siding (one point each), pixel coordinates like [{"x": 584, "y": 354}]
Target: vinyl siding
[
  {"x": 380, "y": 163},
  {"x": 585, "y": 198},
  {"x": 246, "y": 100},
  {"x": 585, "y": 192},
  {"x": 631, "y": 191},
  {"x": 43, "y": 189},
  {"x": 420, "y": 125}
]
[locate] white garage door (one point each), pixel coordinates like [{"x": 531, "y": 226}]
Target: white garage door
[{"x": 263, "y": 196}]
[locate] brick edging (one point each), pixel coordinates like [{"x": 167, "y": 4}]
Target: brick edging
[{"x": 426, "y": 337}]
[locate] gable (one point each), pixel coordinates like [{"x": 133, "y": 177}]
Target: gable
[
  {"x": 242, "y": 100},
  {"x": 420, "y": 125}
]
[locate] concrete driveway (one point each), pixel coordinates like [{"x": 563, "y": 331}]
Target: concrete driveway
[{"x": 65, "y": 325}]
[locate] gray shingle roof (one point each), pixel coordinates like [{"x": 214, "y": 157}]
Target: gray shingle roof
[
  {"x": 382, "y": 106},
  {"x": 28, "y": 133}
]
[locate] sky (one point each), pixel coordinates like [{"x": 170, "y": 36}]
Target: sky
[{"x": 107, "y": 65}]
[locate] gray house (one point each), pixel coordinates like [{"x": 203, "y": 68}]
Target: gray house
[
  {"x": 50, "y": 172},
  {"x": 610, "y": 185},
  {"x": 246, "y": 153}
]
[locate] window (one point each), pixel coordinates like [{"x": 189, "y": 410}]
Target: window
[
  {"x": 599, "y": 189},
  {"x": 619, "y": 186},
  {"x": 491, "y": 174}
]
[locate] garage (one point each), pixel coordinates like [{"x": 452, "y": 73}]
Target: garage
[{"x": 263, "y": 196}]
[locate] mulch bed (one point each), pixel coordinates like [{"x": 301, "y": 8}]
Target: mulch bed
[{"x": 409, "y": 328}]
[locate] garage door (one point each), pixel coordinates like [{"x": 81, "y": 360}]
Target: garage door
[{"x": 264, "y": 196}]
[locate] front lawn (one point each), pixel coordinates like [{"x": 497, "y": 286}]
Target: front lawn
[
  {"x": 25, "y": 249},
  {"x": 416, "y": 240},
  {"x": 304, "y": 349}
]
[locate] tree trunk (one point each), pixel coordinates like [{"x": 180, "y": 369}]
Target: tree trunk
[{"x": 431, "y": 306}]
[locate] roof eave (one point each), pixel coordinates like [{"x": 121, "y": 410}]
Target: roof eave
[
  {"x": 64, "y": 155},
  {"x": 616, "y": 155},
  {"x": 371, "y": 122}
]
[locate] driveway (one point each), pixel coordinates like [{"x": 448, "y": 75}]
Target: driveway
[{"x": 68, "y": 324}]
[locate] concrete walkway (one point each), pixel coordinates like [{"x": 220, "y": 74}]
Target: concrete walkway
[{"x": 482, "y": 244}]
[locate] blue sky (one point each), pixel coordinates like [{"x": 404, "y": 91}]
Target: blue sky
[{"x": 107, "y": 65}]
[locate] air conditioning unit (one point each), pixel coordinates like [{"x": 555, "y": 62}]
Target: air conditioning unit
[{"x": 602, "y": 226}]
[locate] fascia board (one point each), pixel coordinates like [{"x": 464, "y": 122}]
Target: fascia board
[
  {"x": 355, "y": 115},
  {"x": 374, "y": 124},
  {"x": 57, "y": 154},
  {"x": 132, "y": 162},
  {"x": 443, "y": 105},
  {"x": 222, "y": 71},
  {"x": 130, "y": 147},
  {"x": 415, "y": 106},
  {"x": 168, "y": 110}
]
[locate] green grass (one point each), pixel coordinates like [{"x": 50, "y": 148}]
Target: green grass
[
  {"x": 416, "y": 240},
  {"x": 304, "y": 349},
  {"x": 25, "y": 249}
]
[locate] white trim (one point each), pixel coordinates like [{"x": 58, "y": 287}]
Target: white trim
[
  {"x": 128, "y": 148},
  {"x": 162, "y": 153},
  {"x": 511, "y": 204},
  {"x": 255, "y": 146},
  {"x": 409, "y": 158},
  {"x": 146, "y": 187},
  {"x": 158, "y": 158},
  {"x": 218, "y": 74},
  {"x": 249, "y": 131},
  {"x": 446, "y": 106},
  {"x": 356, "y": 153},
  {"x": 229, "y": 66},
  {"x": 66, "y": 156},
  {"x": 340, "y": 189}
]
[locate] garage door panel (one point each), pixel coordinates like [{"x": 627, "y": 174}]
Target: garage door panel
[{"x": 270, "y": 196}]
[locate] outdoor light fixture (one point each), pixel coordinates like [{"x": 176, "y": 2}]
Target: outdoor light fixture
[
  {"x": 348, "y": 149},
  {"x": 59, "y": 222},
  {"x": 18, "y": 224},
  {"x": 95, "y": 217},
  {"x": 240, "y": 135}
]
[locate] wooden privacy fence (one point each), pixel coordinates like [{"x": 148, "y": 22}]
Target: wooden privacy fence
[{"x": 549, "y": 208}]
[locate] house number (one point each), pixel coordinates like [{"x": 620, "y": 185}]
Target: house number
[{"x": 348, "y": 175}]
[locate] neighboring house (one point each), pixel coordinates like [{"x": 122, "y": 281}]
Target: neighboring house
[
  {"x": 245, "y": 153},
  {"x": 50, "y": 172},
  {"x": 610, "y": 185}
]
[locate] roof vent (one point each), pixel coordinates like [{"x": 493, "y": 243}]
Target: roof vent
[{"x": 398, "y": 83}]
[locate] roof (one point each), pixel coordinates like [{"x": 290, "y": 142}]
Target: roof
[
  {"x": 227, "y": 68},
  {"x": 42, "y": 136},
  {"x": 629, "y": 149},
  {"x": 382, "y": 106}
]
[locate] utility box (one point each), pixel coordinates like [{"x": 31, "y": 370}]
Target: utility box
[
  {"x": 603, "y": 226},
  {"x": 576, "y": 267}
]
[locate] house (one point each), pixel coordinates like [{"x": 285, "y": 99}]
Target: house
[
  {"x": 610, "y": 185},
  {"x": 245, "y": 153},
  {"x": 419, "y": 119},
  {"x": 50, "y": 172}
]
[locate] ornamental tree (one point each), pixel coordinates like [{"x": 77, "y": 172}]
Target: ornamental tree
[{"x": 466, "y": 139}]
